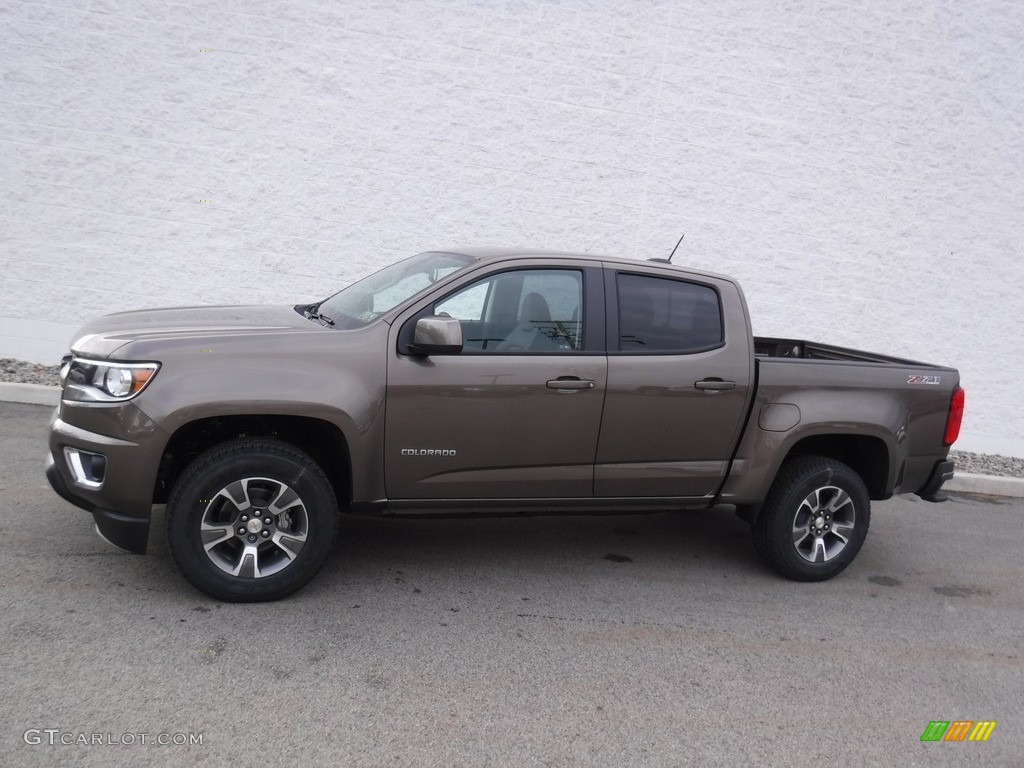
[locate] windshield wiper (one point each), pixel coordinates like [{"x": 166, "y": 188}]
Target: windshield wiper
[{"x": 312, "y": 312}]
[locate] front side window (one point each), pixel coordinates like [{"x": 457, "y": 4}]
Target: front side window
[
  {"x": 664, "y": 315},
  {"x": 522, "y": 311}
]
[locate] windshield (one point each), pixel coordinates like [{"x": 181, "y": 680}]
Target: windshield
[{"x": 366, "y": 300}]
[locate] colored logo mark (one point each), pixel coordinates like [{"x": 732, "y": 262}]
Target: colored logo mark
[{"x": 958, "y": 730}]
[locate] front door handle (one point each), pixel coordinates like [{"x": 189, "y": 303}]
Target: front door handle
[
  {"x": 714, "y": 384},
  {"x": 570, "y": 384}
]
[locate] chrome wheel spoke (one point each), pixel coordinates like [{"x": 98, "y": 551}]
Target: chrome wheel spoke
[
  {"x": 285, "y": 499},
  {"x": 803, "y": 517},
  {"x": 289, "y": 543},
  {"x": 213, "y": 535},
  {"x": 841, "y": 499},
  {"x": 819, "y": 547},
  {"x": 842, "y": 531},
  {"x": 818, "y": 503},
  {"x": 237, "y": 493},
  {"x": 248, "y": 563}
]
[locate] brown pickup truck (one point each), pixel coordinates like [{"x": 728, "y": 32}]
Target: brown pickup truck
[{"x": 484, "y": 381}]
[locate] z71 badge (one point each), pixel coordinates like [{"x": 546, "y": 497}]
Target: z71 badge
[{"x": 924, "y": 380}]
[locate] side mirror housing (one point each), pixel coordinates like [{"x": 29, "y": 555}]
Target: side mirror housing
[{"x": 437, "y": 336}]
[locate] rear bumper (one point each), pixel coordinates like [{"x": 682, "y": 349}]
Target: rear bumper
[{"x": 941, "y": 472}]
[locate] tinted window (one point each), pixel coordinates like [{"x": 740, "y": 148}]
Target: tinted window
[
  {"x": 663, "y": 315},
  {"x": 537, "y": 310}
]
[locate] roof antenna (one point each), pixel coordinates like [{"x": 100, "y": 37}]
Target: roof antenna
[{"x": 669, "y": 259}]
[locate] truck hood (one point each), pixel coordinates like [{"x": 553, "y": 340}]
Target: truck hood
[{"x": 103, "y": 336}]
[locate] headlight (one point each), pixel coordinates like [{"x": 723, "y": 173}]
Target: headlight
[
  {"x": 106, "y": 382},
  {"x": 118, "y": 382},
  {"x": 65, "y": 368}
]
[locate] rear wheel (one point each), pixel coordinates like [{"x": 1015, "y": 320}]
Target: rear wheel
[
  {"x": 252, "y": 519},
  {"x": 815, "y": 519}
]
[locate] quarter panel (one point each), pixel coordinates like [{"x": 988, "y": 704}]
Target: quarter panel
[{"x": 840, "y": 398}]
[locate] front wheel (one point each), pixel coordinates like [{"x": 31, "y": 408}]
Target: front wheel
[
  {"x": 252, "y": 519},
  {"x": 815, "y": 519}
]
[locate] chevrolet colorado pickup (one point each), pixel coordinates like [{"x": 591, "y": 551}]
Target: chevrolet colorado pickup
[{"x": 484, "y": 381}]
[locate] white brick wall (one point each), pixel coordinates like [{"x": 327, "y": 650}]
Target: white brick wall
[{"x": 859, "y": 166}]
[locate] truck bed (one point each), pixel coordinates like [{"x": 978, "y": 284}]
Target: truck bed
[
  {"x": 798, "y": 349},
  {"x": 898, "y": 406}
]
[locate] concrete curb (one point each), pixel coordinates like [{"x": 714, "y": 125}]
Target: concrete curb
[
  {"x": 33, "y": 394},
  {"x": 41, "y": 394},
  {"x": 991, "y": 485}
]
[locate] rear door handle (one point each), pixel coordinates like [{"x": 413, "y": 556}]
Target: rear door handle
[
  {"x": 570, "y": 384},
  {"x": 714, "y": 384}
]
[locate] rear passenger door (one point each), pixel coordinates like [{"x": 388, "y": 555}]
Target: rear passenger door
[{"x": 678, "y": 384}]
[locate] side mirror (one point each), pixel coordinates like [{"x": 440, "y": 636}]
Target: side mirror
[{"x": 437, "y": 336}]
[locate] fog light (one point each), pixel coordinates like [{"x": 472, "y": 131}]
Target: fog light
[{"x": 88, "y": 469}]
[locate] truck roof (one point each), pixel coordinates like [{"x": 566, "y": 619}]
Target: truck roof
[{"x": 485, "y": 253}]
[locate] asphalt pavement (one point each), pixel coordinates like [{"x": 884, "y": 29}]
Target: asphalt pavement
[{"x": 654, "y": 640}]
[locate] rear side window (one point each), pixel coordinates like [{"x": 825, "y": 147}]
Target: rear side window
[{"x": 664, "y": 315}]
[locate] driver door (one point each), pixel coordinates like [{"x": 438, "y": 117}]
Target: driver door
[{"x": 516, "y": 414}]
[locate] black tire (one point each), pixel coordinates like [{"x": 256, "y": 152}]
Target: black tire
[
  {"x": 211, "y": 530},
  {"x": 817, "y": 508}
]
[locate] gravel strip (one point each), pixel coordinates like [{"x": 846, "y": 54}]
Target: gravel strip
[
  {"x": 973, "y": 463},
  {"x": 984, "y": 464},
  {"x": 28, "y": 373}
]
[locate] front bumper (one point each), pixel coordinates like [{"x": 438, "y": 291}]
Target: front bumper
[
  {"x": 128, "y": 533},
  {"x": 941, "y": 472},
  {"x": 121, "y": 503}
]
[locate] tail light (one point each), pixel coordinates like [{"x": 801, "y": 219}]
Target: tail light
[{"x": 955, "y": 417}]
